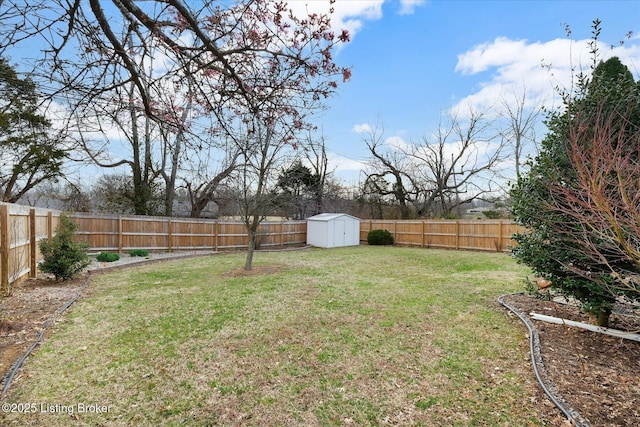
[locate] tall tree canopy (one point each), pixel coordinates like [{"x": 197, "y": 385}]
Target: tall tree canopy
[
  {"x": 30, "y": 153},
  {"x": 93, "y": 48},
  {"x": 453, "y": 166},
  {"x": 298, "y": 187}
]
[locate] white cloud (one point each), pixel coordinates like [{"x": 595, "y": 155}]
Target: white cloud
[
  {"x": 340, "y": 163},
  {"x": 487, "y": 55},
  {"x": 397, "y": 143},
  {"x": 351, "y": 15},
  {"x": 407, "y": 7},
  {"x": 362, "y": 128},
  {"x": 539, "y": 67}
]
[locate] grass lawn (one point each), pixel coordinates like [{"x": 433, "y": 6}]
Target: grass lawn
[{"x": 349, "y": 336}]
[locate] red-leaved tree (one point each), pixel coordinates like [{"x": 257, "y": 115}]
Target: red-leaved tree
[{"x": 604, "y": 198}]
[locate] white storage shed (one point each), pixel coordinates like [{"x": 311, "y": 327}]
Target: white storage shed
[{"x": 330, "y": 230}]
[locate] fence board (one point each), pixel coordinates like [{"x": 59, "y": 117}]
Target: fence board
[{"x": 122, "y": 233}]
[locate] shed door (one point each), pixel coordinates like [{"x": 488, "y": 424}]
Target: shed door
[
  {"x": 339, "y": 233},
  {"x": 348, "y": 233}
]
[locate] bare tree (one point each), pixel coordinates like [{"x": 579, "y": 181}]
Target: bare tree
[
  {"x": 315, "y": 153},
  {"x": 219, "y": 59},
  {"x": 456, "y": 165},
  {"x": 263, "y": 154},
  {"x": 173, "y": 140},
  {"x": 391, "y": 173},
  {"x": 435, "y": 177},
  {"x": 75, "y": 199},
  {"x": 522, "y": 117},
  {"x": 214, "y": 47},
  {"x": 206, "y": 186},
  {"x": 374, "y": 197},
  {"x": 132, "y": 147},
  {"x": 114, "y": 193}
]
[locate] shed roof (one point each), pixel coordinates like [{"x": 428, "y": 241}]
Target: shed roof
[{"x": 330, "y": 216}]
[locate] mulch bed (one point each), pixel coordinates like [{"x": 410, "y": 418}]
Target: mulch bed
[{"x": 598, "y": 375}]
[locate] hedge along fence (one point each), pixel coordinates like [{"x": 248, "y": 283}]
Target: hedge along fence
[{"x": 484, "y": 235}]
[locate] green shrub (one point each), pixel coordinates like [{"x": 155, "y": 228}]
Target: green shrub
[
  {"x": 139, "y": 252},
  {"x": 379, "y": 237},
  {"x": 63, "y": 257},
  {"x": 107, "y": 257}
]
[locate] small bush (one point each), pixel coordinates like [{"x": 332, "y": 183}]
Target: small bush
[
  {"x": 139, "y": 252},
  {"x": 107, "y": 257},
  {"x": 63, "y": 257},
  {"x": 379, "y": 237}
]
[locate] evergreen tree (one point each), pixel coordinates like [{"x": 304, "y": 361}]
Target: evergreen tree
[
  {"x": 565, "y": 242},
  {"x": 63, "y": 256},
  {"x": 298, "y": 190},
  {"x": 29, "y": 155}
]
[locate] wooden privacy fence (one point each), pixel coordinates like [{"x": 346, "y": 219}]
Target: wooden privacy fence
[
  {"x": 122, "y": 233},
  {"x": 487, "y": 235},
  {"x": 22, "y": 227}
]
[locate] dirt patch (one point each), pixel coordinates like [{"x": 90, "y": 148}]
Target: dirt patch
[
  {"x": 597, "y": 375},
  {"x": 32, "y": 305},
  {"x": 255, "y": 271}
]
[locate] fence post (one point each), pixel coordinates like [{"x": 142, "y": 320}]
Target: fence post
[
  {"x": 119, "y": 233},
  {"x": 500, "y": 237},
  {"x": 49, "y": 225},
  {"x": 4, "y": 249},
  {"x": 422, "y": 236},
  {"x": 169, "y": 236},
  {"x": 216, "y": 223},
  {"x": 457, "y": 235},
  {"x": 395, "y": 227},
  {"x": 212, "y": 236},
  {"x": 33, "y": 250},
  {"x": 282, "y": 233}
]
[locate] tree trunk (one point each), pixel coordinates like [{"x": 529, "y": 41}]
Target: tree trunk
[
  {"x": 197, "y": 207},
  {"x": 248, "y": 264}
]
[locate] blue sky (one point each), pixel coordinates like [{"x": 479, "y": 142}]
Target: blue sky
[{"x": 412, "y": 61}]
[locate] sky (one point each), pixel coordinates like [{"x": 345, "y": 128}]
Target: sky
[{"x": 413, "y": 61}]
